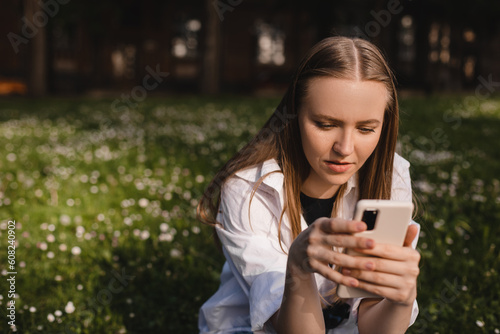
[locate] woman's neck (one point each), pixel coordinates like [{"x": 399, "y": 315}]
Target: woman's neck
[{"x": 318, "y": 189}]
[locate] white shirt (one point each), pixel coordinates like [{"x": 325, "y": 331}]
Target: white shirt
[{"x": 253, "y": 277}]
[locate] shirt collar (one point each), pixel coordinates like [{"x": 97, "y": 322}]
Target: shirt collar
[
  {"x": 275, "y": 180},
  {"x": 352, "y": 183}
]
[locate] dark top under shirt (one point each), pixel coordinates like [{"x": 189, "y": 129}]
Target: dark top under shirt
[{"x": 312, "y": 209}]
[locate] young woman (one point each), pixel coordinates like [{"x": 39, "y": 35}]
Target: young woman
[{"x": 283, "y": 206}]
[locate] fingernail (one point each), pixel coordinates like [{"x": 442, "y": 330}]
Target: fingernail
[
  {"x": 369, "y": 266},
  {"x": 354, "y": 283},
  {"x": 361, "y": 226},
  {"x": 369, "y": 243},
  {"x": 346, "y": 271}
]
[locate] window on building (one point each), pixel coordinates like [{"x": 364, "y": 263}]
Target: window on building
[
  {"x": 469, "y": 63},
  {"x": 407, "y": 47},
  {"x": 439, "y": 43},
  {"x": 123, "y": 60},
  {"x": 185, "y": 44},
  {"x": 270, "y": 44}
]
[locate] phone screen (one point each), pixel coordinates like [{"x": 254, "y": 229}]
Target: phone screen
[{"x": 370, "y": 217}]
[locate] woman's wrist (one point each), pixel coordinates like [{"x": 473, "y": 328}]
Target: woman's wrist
[
  {"x": 296, "y": 273},
  {"x": 300, "y": 310}
]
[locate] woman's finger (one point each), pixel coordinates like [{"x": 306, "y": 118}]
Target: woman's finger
[
  {"x": 393, "y": 267},
  {"x": 329, "y": 256},
  {"x": 398, "y": 295},
  {"x": 347, "y": 241},
  {"x": 335, "y": 276},
  {"x": 339, "y": 225},
  {"x": 391, "y": 252},
  {"x": 380, "y": 278},
  {"x": 411, "y": 233}
]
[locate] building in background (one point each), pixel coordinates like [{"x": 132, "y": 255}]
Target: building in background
[{"x": 212, "y": 46}]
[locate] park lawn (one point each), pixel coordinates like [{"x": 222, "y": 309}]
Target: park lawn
[{"x": 104, "y": 201}]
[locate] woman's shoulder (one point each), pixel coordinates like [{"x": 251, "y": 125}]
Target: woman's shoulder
[
  {"x": 400, "y": 163},
  {"x": 256, "y": 172},
  {"x": 401, "y": 180},
  {"x": 267, "y": 172},
  {"x": 264, "y": 179},
  {"x": 260, "y": 188}
]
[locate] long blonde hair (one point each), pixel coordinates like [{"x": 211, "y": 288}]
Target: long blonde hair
[{"x": 279, "y": 138}]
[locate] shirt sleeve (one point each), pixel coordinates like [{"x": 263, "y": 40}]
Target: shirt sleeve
[
  {"x": 401, "y": 181},
  {"x": 251, "y": 246}
]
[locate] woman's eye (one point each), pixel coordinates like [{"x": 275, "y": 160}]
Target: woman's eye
[
  {"x": 322, "y": 125},
  {"x": 366, "y": 130}
]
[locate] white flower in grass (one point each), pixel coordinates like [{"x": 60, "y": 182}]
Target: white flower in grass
[
  {"x": 57, "y": 313},
  {"x": 63, "y": 247},
  {"x": 175, "y": 253},
  {"x": 144, "y": 234},
  {"x": 165, "y": 237},
  {"x": 50, "y": 317},
  {"x": 164, "y": 227},
  {"x": 69, "y": 308},
  {"x": 79, "y": 231},
  {"x": 50, "y": 255},
  {"x": 32, "y": 309},
  {"x": 76, "y": 250},
  {"x": 143, "y": 202},
  {"x": 11, "y": 157},
  {"x": 65, "y": 219},
  {"x": 479, "y": 323}
]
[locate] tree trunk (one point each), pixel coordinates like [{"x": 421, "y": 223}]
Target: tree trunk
[
  {"x": 38, "y": 59},
  {"x": 211, "y": 56}
]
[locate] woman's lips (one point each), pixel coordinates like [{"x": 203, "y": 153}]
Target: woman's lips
[{"x": 338, "y": 166}]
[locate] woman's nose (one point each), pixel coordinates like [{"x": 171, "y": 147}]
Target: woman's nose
[{"x": 344, "y": 144}]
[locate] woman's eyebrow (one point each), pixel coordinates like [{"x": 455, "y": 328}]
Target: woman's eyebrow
[
  {"x": 327, "y": 118},
  {"x": 369, "y": 121}
]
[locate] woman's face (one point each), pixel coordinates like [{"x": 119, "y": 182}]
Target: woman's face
[{"x": 340, "y": 123}]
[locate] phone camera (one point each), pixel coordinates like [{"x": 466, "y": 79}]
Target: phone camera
[{"x": 370, "y": 217}]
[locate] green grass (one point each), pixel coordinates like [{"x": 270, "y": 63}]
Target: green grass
[{"x": 122, "y": 186}]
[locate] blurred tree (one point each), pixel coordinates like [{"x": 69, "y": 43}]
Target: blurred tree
[
  {"x": 211, "y": 58},
  {"x": 38, "y": 75}
]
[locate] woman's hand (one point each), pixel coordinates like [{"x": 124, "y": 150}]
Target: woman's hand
[
  {"x": 394, "y": 270},
  {"x": 312, "y": 250}
]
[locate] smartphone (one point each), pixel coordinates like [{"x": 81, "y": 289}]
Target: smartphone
[{"x": 387, "y": 222}]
